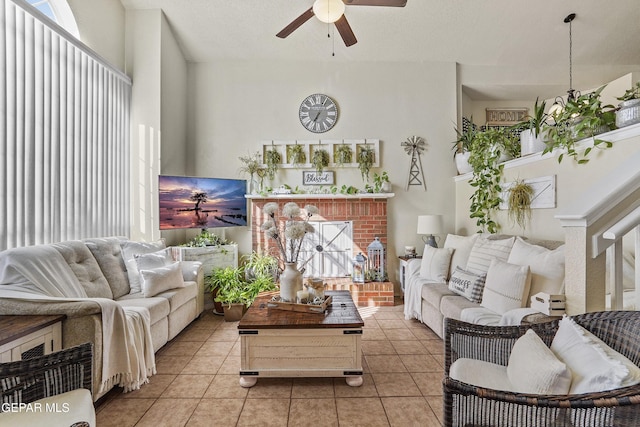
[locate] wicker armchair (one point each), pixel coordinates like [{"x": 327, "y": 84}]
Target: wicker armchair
[
  {"x": 54, "y": 386},
  {"x": 468, "y": 405}
]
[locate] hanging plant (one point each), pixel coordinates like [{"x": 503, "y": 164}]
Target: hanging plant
[
  {"x": 343, "y": 154},
  {"x": 520, "y": 196},
  {"x": 296, "y": 154},
  {"x": 272, "y": 159},
  {"x": 366, "y": 157},
  {"x": 487, "y": 152},
  {"x": 320, "y": 159}
]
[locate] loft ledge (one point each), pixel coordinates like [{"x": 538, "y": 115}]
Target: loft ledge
[{"x": 321, "y": 196}]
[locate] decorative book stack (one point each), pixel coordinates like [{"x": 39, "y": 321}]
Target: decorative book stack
[{"x": 551, "y": 305}]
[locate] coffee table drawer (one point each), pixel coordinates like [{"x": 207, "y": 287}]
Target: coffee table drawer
[{"x": 301, "y": 352}]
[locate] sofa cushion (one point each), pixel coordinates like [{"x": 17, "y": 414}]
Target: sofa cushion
[
  {"x": 480, "y": 373},
  {"x": 433, "y": 292},
  {"x": 85, "y": 268},
  {"x": 461, "y": 246},
  {"x": 467, "y": 284},
  {"x": 480, "y": 316},
  {"x": 129, "y": 251},
  {"x": 158, "y": 307},
  {"x": 452, "y": 306},
  {"x": 180, "y": 296},
  {"x": 594, "y": 365},
  {"x": 547, "y": 266},
  {"x": 506, "y": 287},
  {"x": 533, "y": 368},
  {"x": 161, "y": 279},
  {"x": 435, "y": 263},
  {"x": 108, "y": 254},
  {"x": 485, "y": 250}
]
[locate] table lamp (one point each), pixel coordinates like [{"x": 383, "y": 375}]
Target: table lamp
[{"x": 428, "y": 225}]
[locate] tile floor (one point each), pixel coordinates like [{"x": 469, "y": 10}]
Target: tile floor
[{"x": 197, "y": 383}]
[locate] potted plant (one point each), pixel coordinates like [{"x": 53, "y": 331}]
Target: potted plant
[
  {"x": 489, "y": 149},
  {"x": 582, "y": 117},
  {"x": 366, "y": 158},
  {"x": 272, "y": 159},
  {"x": 296, "y": 155},
  {"x": 320, "y": 159},
  {"x": 628, "y": 112},
  {"x": 227, "y": 287},
  {"x": 381, "y": 183},
  {"x": 462, "y": 145},
  {"x": 206, "y": 238},
  {"x": 343, "y": 154},
  {"x": 260, "y": 265},
  {"x": 519, "y": 209},
  {"x": 532, "y": 137}
]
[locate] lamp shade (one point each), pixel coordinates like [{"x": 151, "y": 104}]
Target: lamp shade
[
  {"x": 430, "y": 224},
  {"x": 328, "y": 10}
]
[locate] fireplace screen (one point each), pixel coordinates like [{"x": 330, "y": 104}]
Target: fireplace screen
[{"x": 330, "y": 249}]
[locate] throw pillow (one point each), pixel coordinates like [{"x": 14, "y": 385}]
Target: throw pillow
[
  {"x": 461, "y": 246},
  {"x": 533, "y": 368},
  {"x": 467, "y": 284},
  {"x": 161, "y": 279},
  {"x": 547, "y": 266},
  {"x": 484, "y": 250},
  {"x": 153, "y": 260},
  {"x": 129, "y": 250},
  {"x": 506, "y": 287},
  {"x": 435, "y": 263},
  {"x": 594, "y": 365}
]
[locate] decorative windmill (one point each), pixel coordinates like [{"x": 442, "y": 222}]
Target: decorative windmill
[{"x": 414, "y": 146}]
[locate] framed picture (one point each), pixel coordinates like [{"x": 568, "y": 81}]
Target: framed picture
[{"x": 315, "y": 178}]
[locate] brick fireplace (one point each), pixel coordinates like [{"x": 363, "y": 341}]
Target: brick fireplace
[{"x": 368, "y": 215}]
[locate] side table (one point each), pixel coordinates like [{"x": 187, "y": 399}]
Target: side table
[
  {"x": 23, "y": 337},
  {"x": 404, "y": 262}
]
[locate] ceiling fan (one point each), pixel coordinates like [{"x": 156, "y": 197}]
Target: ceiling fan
[{"x": 332, "y": 11}]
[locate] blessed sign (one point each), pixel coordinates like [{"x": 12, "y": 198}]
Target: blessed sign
[{"x": 315, "y": 178}]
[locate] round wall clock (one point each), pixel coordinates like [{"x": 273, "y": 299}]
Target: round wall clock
[{"x": 318, "y": 113}]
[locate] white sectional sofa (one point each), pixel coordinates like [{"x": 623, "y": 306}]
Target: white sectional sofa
[
  {"x": 482, "y": 279},
  {"x": 107, "y": 268}
]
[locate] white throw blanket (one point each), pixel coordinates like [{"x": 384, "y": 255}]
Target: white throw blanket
[{"x": 40, "y": 273}]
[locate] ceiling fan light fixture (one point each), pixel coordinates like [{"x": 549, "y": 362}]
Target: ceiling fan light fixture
[{"x": 328, "y": 11}]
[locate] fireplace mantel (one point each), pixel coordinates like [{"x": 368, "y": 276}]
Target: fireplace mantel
[{"x": 321, "y": 196}]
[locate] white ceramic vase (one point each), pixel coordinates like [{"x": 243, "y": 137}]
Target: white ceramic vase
[
  {"x": 290, "y": 282},
  {"x": 462, "y": 163},
  {"x": 530, "y": 144}
]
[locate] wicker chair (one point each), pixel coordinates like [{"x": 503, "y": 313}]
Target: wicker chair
[
  {"x": 56, "y": 386},
  {"x": 468, "y": 405}
]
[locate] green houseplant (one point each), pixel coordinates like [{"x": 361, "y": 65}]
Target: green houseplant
[
  {"x": 628, "y": 112},
  {"x": 343, "y": 154},
  {"x": 531, "y": 135},
  {"x": 519, "y": 209},
  {"x": 320, "y": 159},
  {"x": 366, "y": 158},
  {"x": 462, "y": 145},
  {"x": 296, "y": 154},
  {"x": 272, "y": 159},
  {"x": 582, "y": 117},
  {"x": 489, "y": 149}
]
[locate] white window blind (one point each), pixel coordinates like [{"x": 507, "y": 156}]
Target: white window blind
[{"x": 64, "y": 127}]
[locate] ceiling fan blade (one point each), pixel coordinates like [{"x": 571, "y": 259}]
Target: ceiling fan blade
[
  {"x": 388, "y": 3},
  {"x": 295, "y": 24},
  {"x": 345, "y": 31}
]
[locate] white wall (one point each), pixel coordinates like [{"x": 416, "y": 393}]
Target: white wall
[
  {"x": 101, "y": 24},
  {"x": 236, "y": 104}
]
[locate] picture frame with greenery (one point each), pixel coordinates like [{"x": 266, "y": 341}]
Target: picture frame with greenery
[
  {"x": 272, "y": 159},
  {"x": 296, "y": 155},
  {"x": 366, "y": 159},
  {"x": 343, "y": 154},
  {"x": 320, "y": 159},
  {"x": 519, "y": 202}
]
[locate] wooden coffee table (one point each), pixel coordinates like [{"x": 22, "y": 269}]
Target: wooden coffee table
[{"x": 281, "y": 343}]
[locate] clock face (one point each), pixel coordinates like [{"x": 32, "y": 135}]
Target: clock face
[{"x": 318, "y": 113}]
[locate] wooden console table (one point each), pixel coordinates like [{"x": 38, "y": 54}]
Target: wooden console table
[
  {"x": 22, "y": 337},
  {"x": 280, "y": 343}
]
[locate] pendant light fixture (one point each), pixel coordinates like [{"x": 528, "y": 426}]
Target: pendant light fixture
[{"x": 559, "y": 103}]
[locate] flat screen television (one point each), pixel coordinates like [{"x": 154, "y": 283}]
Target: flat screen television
[{"x": 191, "y": 202}]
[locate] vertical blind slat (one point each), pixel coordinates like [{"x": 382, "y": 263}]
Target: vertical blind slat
[{"x": 65, "y": 117}]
